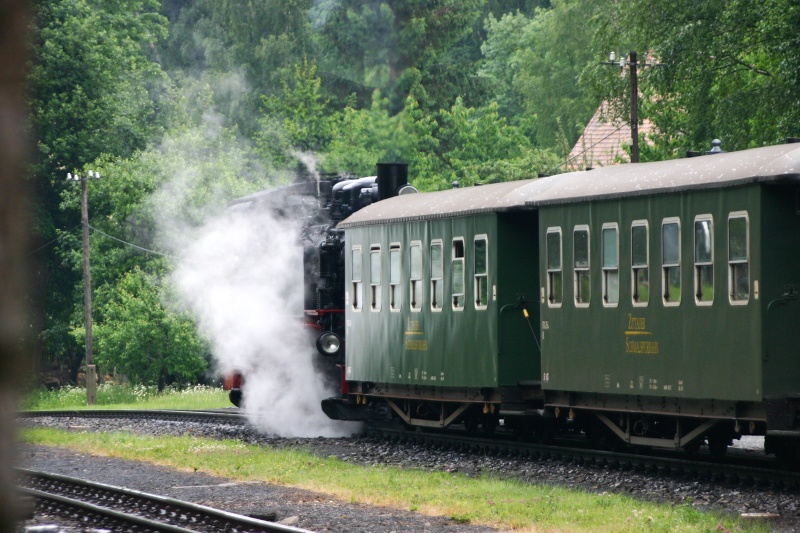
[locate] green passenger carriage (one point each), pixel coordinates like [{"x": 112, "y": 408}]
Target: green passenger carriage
[
  {"x": 434, "y": 298},
  {"x": 656, "y": 303}
]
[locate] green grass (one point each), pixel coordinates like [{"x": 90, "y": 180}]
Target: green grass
[
  {"x": 503, "y": 503},
  {"x": 127, "y": 397}
]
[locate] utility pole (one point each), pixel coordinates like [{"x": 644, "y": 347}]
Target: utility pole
[
  {"x": 633, "y": 65},
  {"x": 91, "y": 372},
  {"x": 634, "y": 108}
]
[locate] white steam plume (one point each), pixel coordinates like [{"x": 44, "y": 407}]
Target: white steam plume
[{"x": 242, "y": 276}]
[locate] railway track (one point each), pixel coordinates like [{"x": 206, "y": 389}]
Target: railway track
[
  {"x": 748, "y": 470},
  {"x": 759, "y": 471},
  {"x": 118, "y": 509},
  {"x": 209, "y": 416}
]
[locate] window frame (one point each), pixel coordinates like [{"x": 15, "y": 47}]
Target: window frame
[
  {"x": 747, "y": 261},
  {"x": 664, "y": 277},
  {"x": 635, "y": 267},
  {"x": 357, "y": 284},
  {"x": 551, "y": 272},
  {"x": 453, "y": 261},
  {"x": 578, "y": 272},
  {"x": 607, "y": 270},
  {"x": 375, "y": 292},
  {"x": 697, "y": 264},
  {"x": 395, "y": 288},
  {"x": 437, "y": 281},
  {"x": 416, "y": 291},
  {"x": 476, "y": 277}
]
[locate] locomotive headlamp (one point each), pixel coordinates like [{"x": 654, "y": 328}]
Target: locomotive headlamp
[{"x": 329, "y": 343}]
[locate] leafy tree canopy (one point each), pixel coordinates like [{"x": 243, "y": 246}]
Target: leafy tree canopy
[
  {"x": 729, "y": 70},
  {"x": 142, "y": 338}
]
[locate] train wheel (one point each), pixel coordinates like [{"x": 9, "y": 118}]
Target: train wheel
[
  {"x": 471, "y": 424},
  {"x": 489, "y": 423},
  {"x": 785, "y": 449},
  {"x": 718, "y": 443},
  {"x": 235, "y": 397}
]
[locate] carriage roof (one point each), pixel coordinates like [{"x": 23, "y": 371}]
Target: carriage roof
[{"x": 768, "y": 164}]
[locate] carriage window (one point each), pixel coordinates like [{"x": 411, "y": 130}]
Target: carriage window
[
  {"x": 415, "y": 286},
  {"x": 738, "y": 258},
  {"x": 375, "y": 277},
  {"x": 437, "y": 275},
  {"x": 583, "y": 281},
  {"x": 554, "y": 272},
  {"x": 481, "y": 272},
  {"x": 610, "y": 264},
  {"x": 671, "y": 261},
  {"x": 640, "y": 252},
  {"x": 704, "y": 259},
  {"x": 458, "y": 273},
  {"x": 395, "y": 297},
  {"x": 358, "y": 288}
]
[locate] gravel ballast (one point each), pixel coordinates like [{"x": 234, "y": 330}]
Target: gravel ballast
[{"x": 319, "y": 512}]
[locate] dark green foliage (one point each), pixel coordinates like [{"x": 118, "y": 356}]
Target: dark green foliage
[
  {"x": 730, "y": 69},
  {"x": 227, "y": 96},
  {"x": 93, "y": 90},
  {"x": 393, "y": 46},
  {"x": 141, "y": 338},
  {"x": 534, "y": 63}
]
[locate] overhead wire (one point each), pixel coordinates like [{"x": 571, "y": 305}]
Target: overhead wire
[
  {"x": 131, "y": 244},
  {"x": 126, "y": 243},
  {"x": 578, "y": 155}
]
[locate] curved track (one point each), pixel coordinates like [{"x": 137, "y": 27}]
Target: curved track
[{"x": 119, "y": 509}]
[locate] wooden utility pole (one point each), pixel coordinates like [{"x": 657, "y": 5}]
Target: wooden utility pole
[
  {"x": 91, "y": 372},
  {"x": 633, "y": 65},
  {"x": 634, "y": 107}
]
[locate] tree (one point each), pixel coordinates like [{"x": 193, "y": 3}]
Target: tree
[
  {"x": 535, "y": 63},
  {"x": 729, "y": 69},
  {"x": 93, "y": 84},
  {"x": 94, "y": 89},
  {"x": 478, "y": 146},
  {"x": 364, "y": 137},
  {"x": 242, "y": 50},
  {"x": 142, "y": 338},
  {"x": 394, "y": 46},
  {"x": 143, "y": 210},
  {"x": 300, "y": 112}
]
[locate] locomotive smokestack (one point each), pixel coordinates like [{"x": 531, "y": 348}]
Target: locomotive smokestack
[{"x": 391, "y": 177}]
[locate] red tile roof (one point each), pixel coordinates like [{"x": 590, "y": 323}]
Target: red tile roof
[{"x": 601, "y": 143}]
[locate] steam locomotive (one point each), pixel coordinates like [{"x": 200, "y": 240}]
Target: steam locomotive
[
  {"x": 650, "y": 305},
  {"x": 320, "y": 205}
]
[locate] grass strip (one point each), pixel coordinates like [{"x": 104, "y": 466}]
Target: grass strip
[
  {"x": 504, "y": 503},
  {"x": 127, "y": 397}
]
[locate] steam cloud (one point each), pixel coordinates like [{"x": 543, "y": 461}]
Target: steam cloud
[{"x": 242, "y": 276}]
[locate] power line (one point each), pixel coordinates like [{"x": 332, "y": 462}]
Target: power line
[
  {"x": 45, "y": 245},
  {"x": 133, "y": 245},
  {"x": 587, "y": 149}
]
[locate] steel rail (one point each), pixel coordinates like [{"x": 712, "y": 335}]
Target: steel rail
[
  {"x": 726, "y": 469},
  {"x": 761, "y": 471},
  {"x": 151, "y": 511},
  {"x": 158, "y": 414}
]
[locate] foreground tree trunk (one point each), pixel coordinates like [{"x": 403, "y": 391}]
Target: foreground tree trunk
[{"x": 14, "y": 226}]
